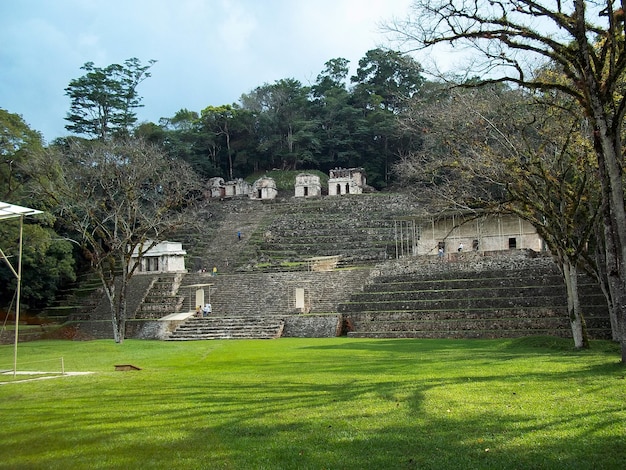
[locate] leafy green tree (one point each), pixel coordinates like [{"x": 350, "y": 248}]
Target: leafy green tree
[
  {"x": 218, "y": 122},
  {"x": 151, "y": 133},
  {"x": 384, "y": 83},
  {"x": 387, "y": 79},
  {"x": 336, "y": 117},
  {"x": 103, "y": 101},
  {"x": 184, "y": 139},
  {"x": 47, "y": 259},
  {"x": 286, "y": 133},
  {"x": 18, "y": 142},
  {"x": 47, "y": 264}
]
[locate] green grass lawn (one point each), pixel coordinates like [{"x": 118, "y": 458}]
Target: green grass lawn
[{"x": 334, "y": 403}]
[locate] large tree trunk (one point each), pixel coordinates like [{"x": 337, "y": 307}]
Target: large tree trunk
[
  {"x": 615, "y": 224},
  {"x": 608, "y": 148},
  {"x": 109, "y": 289},
  {"x": 230, "y": 156},
  {"x": 120, "y": 324},
  {"x": 615, "y": 280},
  {"x": 576, "y": 318},
  {"x": 607, "y": 266},
  {"x": 117, "y": 305}
]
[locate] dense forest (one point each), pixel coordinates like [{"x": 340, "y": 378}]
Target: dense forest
[{"x": 339, "y": 121}]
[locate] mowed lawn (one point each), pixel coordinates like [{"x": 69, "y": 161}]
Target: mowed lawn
[{"x": 335, "y": 403}]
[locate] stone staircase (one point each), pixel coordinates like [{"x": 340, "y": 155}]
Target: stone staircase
[
  {"x": 246, "y": 301},
  {"x": 466, "y": 303},
  {"x": 229, "y": 327},
  {"x": 162, "y": 297},
  {"x": 218, "y": 245},
  {"x": 360, "y": 228}
]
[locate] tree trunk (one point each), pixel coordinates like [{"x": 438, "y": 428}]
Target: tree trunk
[
  {"x": 230, "y": 156},
  {"x": 615, "y": 228},
  {"x": 576, "y": 318},
  {"x": 607, "y": 145},
  {"x": 109, "y": 289},
  {"x": 120, "y": 326},
  {"x": 607, "y": 267},
  {"x": 117, "y": 305}
]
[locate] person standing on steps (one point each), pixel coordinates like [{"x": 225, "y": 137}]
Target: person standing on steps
[
  {"x": 239, "y": 235},
  {"x": 206, "y": 310},
  {"x": 214, "y": 270}
]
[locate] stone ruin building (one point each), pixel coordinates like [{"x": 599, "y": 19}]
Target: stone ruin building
[
  {"x": 308, "y": 185},
  {"x": 221, "y": 189},
  {"x": 426, "y": 235},
  {"x": 346, "y": 181},
  {"x": 164, "y": 257},
  {"x": 341, "y": 181},
  {"x": 264, "y": 188}
]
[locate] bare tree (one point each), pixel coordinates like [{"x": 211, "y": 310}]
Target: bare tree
[
  {"x": 119, "y": 198},
  {"x": 585, "y": 41},
  {"x": 495, "y": 149}
]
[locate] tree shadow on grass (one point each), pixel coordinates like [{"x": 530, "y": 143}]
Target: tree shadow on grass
[{"x": 359, "y": 404}]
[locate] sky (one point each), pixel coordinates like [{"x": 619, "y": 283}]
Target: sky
[{"x": 208, "y": 52}]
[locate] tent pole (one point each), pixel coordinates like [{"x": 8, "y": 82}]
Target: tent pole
[{"x": 19, "y": 291}]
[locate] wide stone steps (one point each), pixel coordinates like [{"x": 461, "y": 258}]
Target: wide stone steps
[
  {"x": 534, "y": 321},
  {"x": 225, "y": 327},
  {"x": 495, "y": 304},
  {"x": 464, "y": 304},
  {"x": 357, "y": 228},
  {"x": 161, "y": 298}
]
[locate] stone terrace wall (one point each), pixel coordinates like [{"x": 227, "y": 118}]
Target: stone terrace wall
[
  {"x": 471, "y": 297},
  {"x": 465, "y": 262}
]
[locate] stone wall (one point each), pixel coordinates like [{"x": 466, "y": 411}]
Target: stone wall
[
  {"x": 464, "y": 262},
  {"x": 472, "y": 296},
  {"x": 312, "y": 326}
]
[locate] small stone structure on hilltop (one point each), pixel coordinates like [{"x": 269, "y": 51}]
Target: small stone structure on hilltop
[
  {"x": 264, "y": 188},
  {"x": 308, "y": 185},
  {"x": 222, "y": 189},
  {"x": 342, "y": 181},
  {"x": 165, "y": 257},
  {"x": 346, "y": 181}
]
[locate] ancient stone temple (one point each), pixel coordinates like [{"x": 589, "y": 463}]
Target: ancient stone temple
[
  {"x": 264, "y": 188},
  {"x": 308, "y": 185},
  {"x": 459, "y": 232},
  {"x": 346, "y": 181},
  {"x": 165, "y": 257},
  {"x": 216, "y": 187},
  {"x": 220, "y": 188}
]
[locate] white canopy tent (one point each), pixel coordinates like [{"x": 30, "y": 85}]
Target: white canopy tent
[{"x": 11, "y": 211}]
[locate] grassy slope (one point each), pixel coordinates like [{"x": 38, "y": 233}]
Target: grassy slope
[{"x": 319, "y": 403}]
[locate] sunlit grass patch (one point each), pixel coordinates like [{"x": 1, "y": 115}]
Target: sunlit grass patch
[{"x": 319, "y": 403}]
